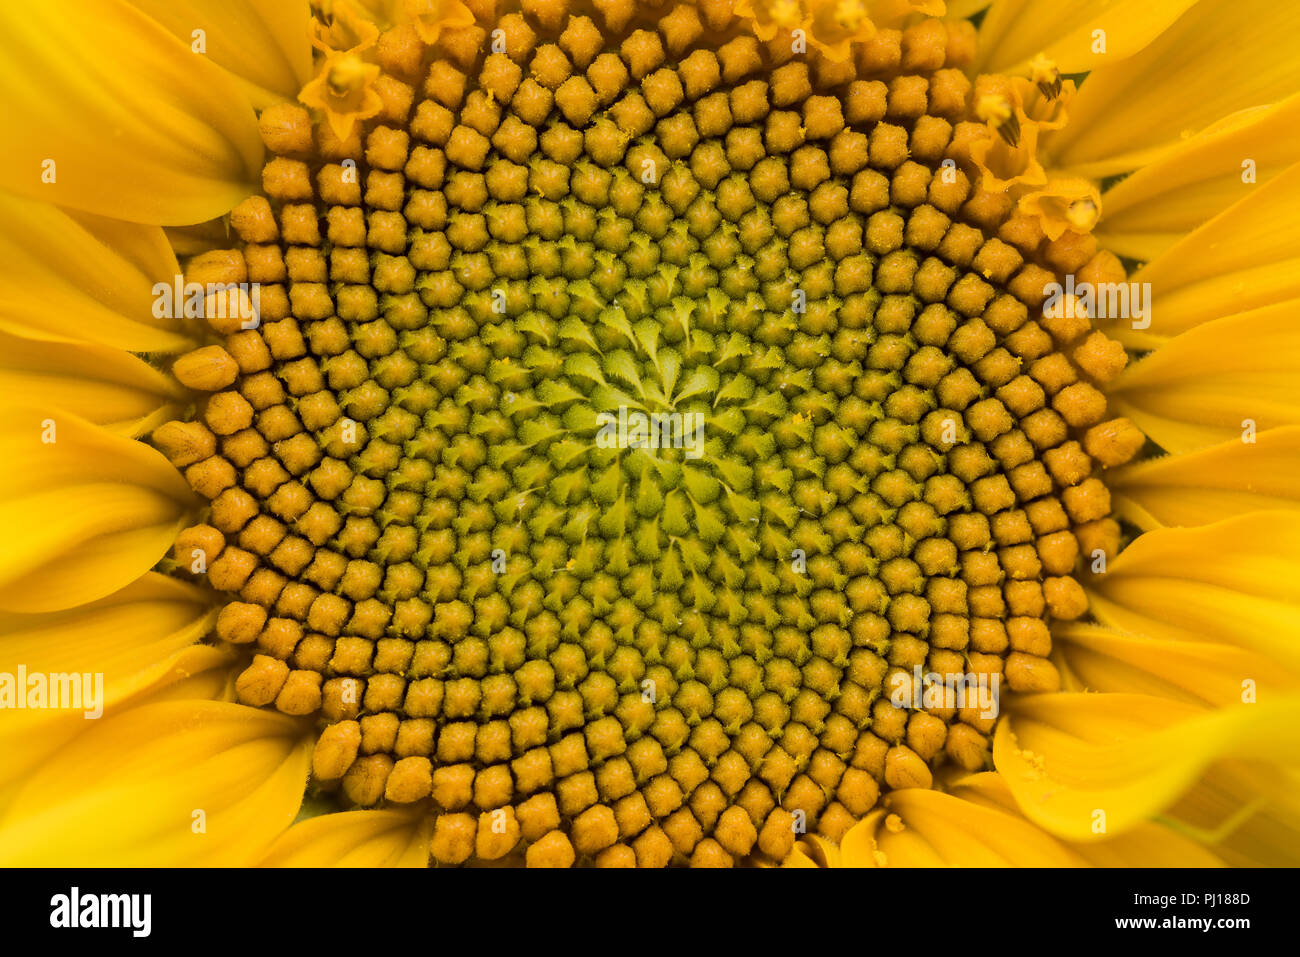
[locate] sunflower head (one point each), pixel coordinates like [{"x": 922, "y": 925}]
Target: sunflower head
[
  {"x": 637, "y": 434},
  {"x": 630, "y": 440}
]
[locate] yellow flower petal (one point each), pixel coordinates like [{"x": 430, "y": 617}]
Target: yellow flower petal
[
  {"x": 262, "y": 42},
  {"x": 1235, "y": 582},
  {"x": 977, "y": 822},
  {"x": 1245, "y": 258},
  {"x": 1014, "y": 31},
  {"x": 813, "y": 850},
  {"x": 1248, "y": 814},
  {"x": 85, "y": 514},
  {"x": 1216, "y": 59},
  {"x": 798, "y": 858},
  {"x": 908, "y": 848},
  {"x": 1216, "y": 381},
  {"x": 356, "y": 839},
  {"x": 1211, "y": 484},
  {"x": 136, "y": 639},
  {"x": 127, "y": 635},
  {"x": 1147, "y": 845},
  {"x": 959, "y": 833},
  {"x": 1195, "y": 672},
  {"x": 200, "y": 783},
  {"x": 1089, "y": 765},
  {"x": 1148, "y": 212},
  {"x": 858, "y": 846},
  {"x": 73, "y": 277},
  {"x": 199, "y": 673},
  {"x": 139, "y": 127},
  {"x": 895, "y": 14},
  {"x": 187, "y": 241},
  {"x": 195, "y": 672},
  {"x": 99, "y": 383}
]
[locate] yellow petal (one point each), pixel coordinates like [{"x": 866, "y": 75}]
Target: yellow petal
[
  {"x": 187, "y": 241},
  {"x": 200, "y": 672},
  {"x": 858, "y": 846},
  {"x": 265, "y": 43},
  {"x": 73, "y": 277},
  {"x": 195, "y": 672},
  {"x": 200, "y": 783},
  {"x": 963, "y": 9},
  {"x": 1147, "y": 845},
  {"x": 1085, "y": 766},
  {"x": 85, "y": 514},
  {"x": 135, "y": 639},
  {"x": 977, "y": 822},
  {"x": 382, "y": 12},
  {"x": 797, "y": 858},
  {"x": 356, "y": 839},
  {"x": 908, "y": 848},
  {"x": 127, "y": 635},
  {"x": 1148, "y": 212},
  {"x": 1195, "y": 672},
  {"x": 101, "y": 384},
  {"x": 959, "y": 833},
  {"x": 138, "y": 127},
  {"x": 1211, "y": 484},
  {"x": 1236, "y": 582},
  {"x": 1216, "y": 381},
  {"x": 813, "y": 850},
  {"x": 1248, "y": 813},
  {"x": 896, "y": 14},
  {"x": 1216, "y": 59},
  {"x": 1245, "y": 258},
  {"x": 1014, "y": 31}
]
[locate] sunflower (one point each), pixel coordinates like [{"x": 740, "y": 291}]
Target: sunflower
[{"x": 788, "y": 432}]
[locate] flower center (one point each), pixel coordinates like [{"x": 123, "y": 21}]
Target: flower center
[{"x": 650, "y": 444}]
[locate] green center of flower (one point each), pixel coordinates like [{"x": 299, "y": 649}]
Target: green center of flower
[{"x": 647, "y": 438}]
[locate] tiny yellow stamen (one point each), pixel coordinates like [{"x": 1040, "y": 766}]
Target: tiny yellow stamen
[
  {"x": 1046, "y": 75},
  {"x": 850, "y": 14},
  {"x": 1082, "y": 215},
  {"x": 996, "y": 110},
  {"x": 346, "y": 76},
  {"x": 786, "y": 13}
]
